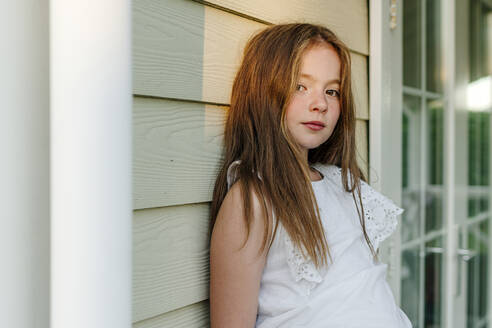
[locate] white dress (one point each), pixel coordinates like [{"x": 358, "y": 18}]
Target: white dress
[{"x": 350, "y": 292}]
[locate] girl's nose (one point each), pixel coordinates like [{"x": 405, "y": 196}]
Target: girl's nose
[{"x": 319, "y": 102}]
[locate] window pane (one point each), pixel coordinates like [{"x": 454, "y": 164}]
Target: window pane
[
  {"x": 410, "y": 284},
  {"x": 435, "y": 168},
  {"x": 412, "y": 43},
  {"x": 433, "y": 44},
  {"x": 478, "y": 244},
  {"x": 411, "y": 150},
  {"x": 478, "y": 162},
  {"x": 433, "y": 283}
]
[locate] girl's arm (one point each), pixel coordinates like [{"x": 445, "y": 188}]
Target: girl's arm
[{"x": 235, "y": 273}]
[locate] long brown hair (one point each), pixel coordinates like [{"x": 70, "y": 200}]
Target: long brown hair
[{"x": 256, "y": 133}]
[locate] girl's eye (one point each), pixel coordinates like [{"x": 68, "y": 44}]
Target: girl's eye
[
  {"x": 333, "y": 93},
  {"x": 300, "y": 87}
]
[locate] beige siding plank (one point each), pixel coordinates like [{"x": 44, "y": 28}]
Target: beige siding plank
[
  {"x": 348, "y": 18},
  {"x": 192, "y": 316},
  {"x": 360, "y": 86},
  {"x": 193, "y": 62},
  {"x": 225, "y": 37},
  {"x": 168, "y": 48},
  {"x": 361, "y": 141},
  {"x": 170, "y": 258},
  {"x": 169, "y": 56},
  {"x": 177, "y": 149}
]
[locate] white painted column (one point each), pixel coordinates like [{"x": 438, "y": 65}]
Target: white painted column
[
  {"x": 24, "y": 165},
  {"x": 385, "y": 117},
  {"x": 91, "y": 163}
]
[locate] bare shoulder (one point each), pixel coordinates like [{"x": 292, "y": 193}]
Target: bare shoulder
[
  {"x": 236, "y": 263},
  {"x": 232, "y": 224}
]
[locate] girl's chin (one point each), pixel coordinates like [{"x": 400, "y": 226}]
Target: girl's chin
[{"x": 311, "y": 145}]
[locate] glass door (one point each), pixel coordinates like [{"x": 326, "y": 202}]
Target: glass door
[
  {"x": 423, "y": 233},
  {"x": 445, "y": 237},
  {"x": 473, "y": 162}
]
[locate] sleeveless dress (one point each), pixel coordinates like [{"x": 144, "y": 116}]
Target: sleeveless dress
[{"x": 351, "y": 291}]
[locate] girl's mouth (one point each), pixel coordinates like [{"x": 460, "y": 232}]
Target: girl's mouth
[{"x": 315, "y": 125}]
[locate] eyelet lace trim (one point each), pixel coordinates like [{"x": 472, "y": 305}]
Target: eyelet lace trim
[
  {"x": 300, "y": 267},
  {"x": 380, "y": 212}
]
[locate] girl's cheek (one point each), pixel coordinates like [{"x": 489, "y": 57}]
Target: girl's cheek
[
  {"x": 294, "y": 107},
  {"x": 336, "y": 105}
]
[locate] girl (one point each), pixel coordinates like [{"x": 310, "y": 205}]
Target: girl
[{"x": 295, "y": 227}]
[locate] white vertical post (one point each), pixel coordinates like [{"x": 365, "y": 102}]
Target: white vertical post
[
  {"x": 91, "y": 163},
  {"x": 24, "y": 165},
  {"x": 385, "y": 79},
  {"x": 450, "y": 260}
]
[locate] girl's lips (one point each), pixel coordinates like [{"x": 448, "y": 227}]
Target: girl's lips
[{"x": 316, "y": 126}]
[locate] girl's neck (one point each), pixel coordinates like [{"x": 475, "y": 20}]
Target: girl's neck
[{"x": 314, "y": 175}]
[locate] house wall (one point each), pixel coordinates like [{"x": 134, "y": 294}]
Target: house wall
[{"x": 185, "y": 55}]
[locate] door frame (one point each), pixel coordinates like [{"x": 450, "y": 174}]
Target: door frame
[
  {"x": 385, "y": 112},
  {"x": 385, "y": 131}
]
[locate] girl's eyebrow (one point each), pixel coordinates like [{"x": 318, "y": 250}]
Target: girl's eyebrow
[{"x": 310, "y": 77}]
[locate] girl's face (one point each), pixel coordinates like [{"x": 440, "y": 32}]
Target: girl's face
[{"x": 314, "y": 108}]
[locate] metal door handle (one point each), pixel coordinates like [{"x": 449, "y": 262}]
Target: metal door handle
[
  {"x": 434, "y": 250},
  {"x": 464, "y": 254}
]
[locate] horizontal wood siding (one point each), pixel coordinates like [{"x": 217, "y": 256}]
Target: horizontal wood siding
[
  {"x": 361, "y": 141},
  {"x": 360, "y": 86},
  {"x": 170, "y": 258},
  {"x": 180, "y": 61},
  {"x": 168, "y": 48},
  {"x": 348, "y": 18},
  {"x": 177, "y": 149},
  {"x": 191, "y": 316}
]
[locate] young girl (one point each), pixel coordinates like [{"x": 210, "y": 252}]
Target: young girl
[{"x": 295, "y": 225}]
